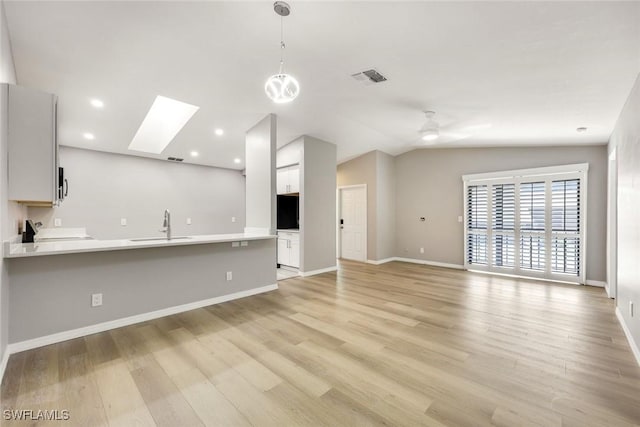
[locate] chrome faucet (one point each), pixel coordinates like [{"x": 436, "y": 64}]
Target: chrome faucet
[{"x": 166, "y": 224}]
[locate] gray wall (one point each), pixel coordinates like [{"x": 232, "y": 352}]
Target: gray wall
[
  {"x": 385, "y": 205},
  {"x": 317, "y": 205},
  {"x": 10, "y": 212},
  {"x": 58, "y": 288},
  {"x": 378, "y": 171},
  {"x": 363, "y": 170},
  {"x": 261, "y": 176},
  {"x": 429, "y": 184},
  {"x": 105, "y": 187},
  {"x": 626, "y": 137}
]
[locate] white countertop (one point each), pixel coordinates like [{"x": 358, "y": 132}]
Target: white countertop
[{"x": 20, "y": 250}]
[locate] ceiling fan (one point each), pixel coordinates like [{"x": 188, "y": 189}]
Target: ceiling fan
[{"x": 432, "y": 133}]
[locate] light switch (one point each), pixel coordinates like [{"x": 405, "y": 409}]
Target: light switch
[
  {"x": 235, "y": 244},
  {"x": 188, "y": 221},
  {"x": 57, "y": 222},
  {"x": 123, "y": 222},
  {"x": 459, "y": 218},
  {"x": 233, "y": 219},
  {"x": 244, "y": 243}
]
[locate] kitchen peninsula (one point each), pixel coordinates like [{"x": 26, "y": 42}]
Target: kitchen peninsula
[{"x": 139, "y": 280}]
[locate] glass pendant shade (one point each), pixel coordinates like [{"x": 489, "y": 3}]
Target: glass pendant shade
[
  {"x": 430, "y": 134},
  {"x": 282, "y": 88}
]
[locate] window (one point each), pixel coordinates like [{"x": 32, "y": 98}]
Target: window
[{"x": 527, "y": 222}]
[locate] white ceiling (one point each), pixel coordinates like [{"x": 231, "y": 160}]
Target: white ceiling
[{"x": 534, "y": 71}]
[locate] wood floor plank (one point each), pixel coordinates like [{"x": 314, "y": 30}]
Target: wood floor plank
[
  {"x": 123, "y": 404},
  {"x": 166, "y": 404}
]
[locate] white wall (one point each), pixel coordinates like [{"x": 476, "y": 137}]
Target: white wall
[
  {"x": 105, "y": 187},
  {"x": 261, "y": 176},
  {"x": 626, "y": 140}
]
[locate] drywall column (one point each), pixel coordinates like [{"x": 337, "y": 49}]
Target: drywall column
[
  {"x": 260, "y": 172},
  {"x": 626, "y": 139},
  {"x": 317, "y": 207}
]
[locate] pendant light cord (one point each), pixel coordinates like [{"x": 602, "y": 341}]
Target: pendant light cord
[{"x": 282, "y": 45}]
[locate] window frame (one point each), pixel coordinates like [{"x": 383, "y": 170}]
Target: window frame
[{"x": 517, "y": 177}]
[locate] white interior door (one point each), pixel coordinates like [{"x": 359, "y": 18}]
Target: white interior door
[{"x": 353, "y": 223}]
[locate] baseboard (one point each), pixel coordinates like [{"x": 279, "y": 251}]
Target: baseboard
[
  {"x": 627, "y": 332},
  {"x": 126, "y": 321},
  {"x": 597, "y": 283},
  {"x": 3, "y": 363},
  {"x": 432, "y": 263},
  {"x": 380, "y": 261},
  {"x": 608, "y": 290},
  {"x": 320, "y": 271}
]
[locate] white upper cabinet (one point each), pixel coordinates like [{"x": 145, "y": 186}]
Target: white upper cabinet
[
  {"x": 32, "y": 146},
  {"x": 288, "y": 180}
]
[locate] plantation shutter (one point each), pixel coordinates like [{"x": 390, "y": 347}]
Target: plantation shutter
[
  {"x": 528, "y": 222},
  {"x": 477, "y": 224}
]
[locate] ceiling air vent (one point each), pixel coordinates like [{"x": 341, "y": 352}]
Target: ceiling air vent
[
  {"x": 369, "y": 76},
  {"x": 175, "y": 159}
]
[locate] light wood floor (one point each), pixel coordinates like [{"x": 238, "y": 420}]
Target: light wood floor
[{"x": 396, "y": 344}]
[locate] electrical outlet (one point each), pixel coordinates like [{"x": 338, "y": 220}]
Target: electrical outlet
[
  {"x": 631, "y": 308},
  {"x": 235, "y": 244},
  {"x": 123, "y": 222},
  {"x": 244, "y": 243},
  {"x": 229, "y": 275},
  {"x": 188, "y": 221},
  {"x": 459, "y": 218},
  {"x": 57, "y": 222},
  {"x": 421, "y": 250},
  {"x": 233, "y": 219},
  {"x": 96, "y": 300}
]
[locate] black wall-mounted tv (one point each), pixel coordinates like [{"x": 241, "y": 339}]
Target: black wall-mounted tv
[{"x": 288, "y": 212}]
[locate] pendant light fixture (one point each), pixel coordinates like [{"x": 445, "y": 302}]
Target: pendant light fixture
[
  {"x": 430, "y": 130},
  {"x": 282, "y": 87}
]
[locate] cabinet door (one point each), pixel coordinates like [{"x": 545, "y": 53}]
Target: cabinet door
[
  {"x": 283, "y": 251},
  {"x": 282, "y": 181},
  {"x": 32, "y": 146},
  {"x": 294, "y": 253},
  {"x": 294, "y": 179}
]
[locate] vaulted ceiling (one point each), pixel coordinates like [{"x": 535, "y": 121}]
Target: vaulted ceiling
[{"x": 503, "y": 73}]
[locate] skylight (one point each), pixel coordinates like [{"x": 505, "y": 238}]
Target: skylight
[{"x": 165, "y": 119}]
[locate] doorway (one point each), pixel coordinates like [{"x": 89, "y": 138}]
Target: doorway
[{"x": 352, "y": 222}]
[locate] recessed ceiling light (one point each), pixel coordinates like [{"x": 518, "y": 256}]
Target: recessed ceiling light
[
  {"x": 165, "y": 119},
  {"x": 194, "y": 154},
  {"x": 237, "y": 160},
  {"x": 89, "y": 136},
  {"x": 581, "y": 129},
  {"x": 97, "y": 103},
  {"x": 219, "y": 132}
]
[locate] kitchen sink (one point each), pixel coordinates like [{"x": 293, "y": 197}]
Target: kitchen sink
[{"x": 157, "y": 239}]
